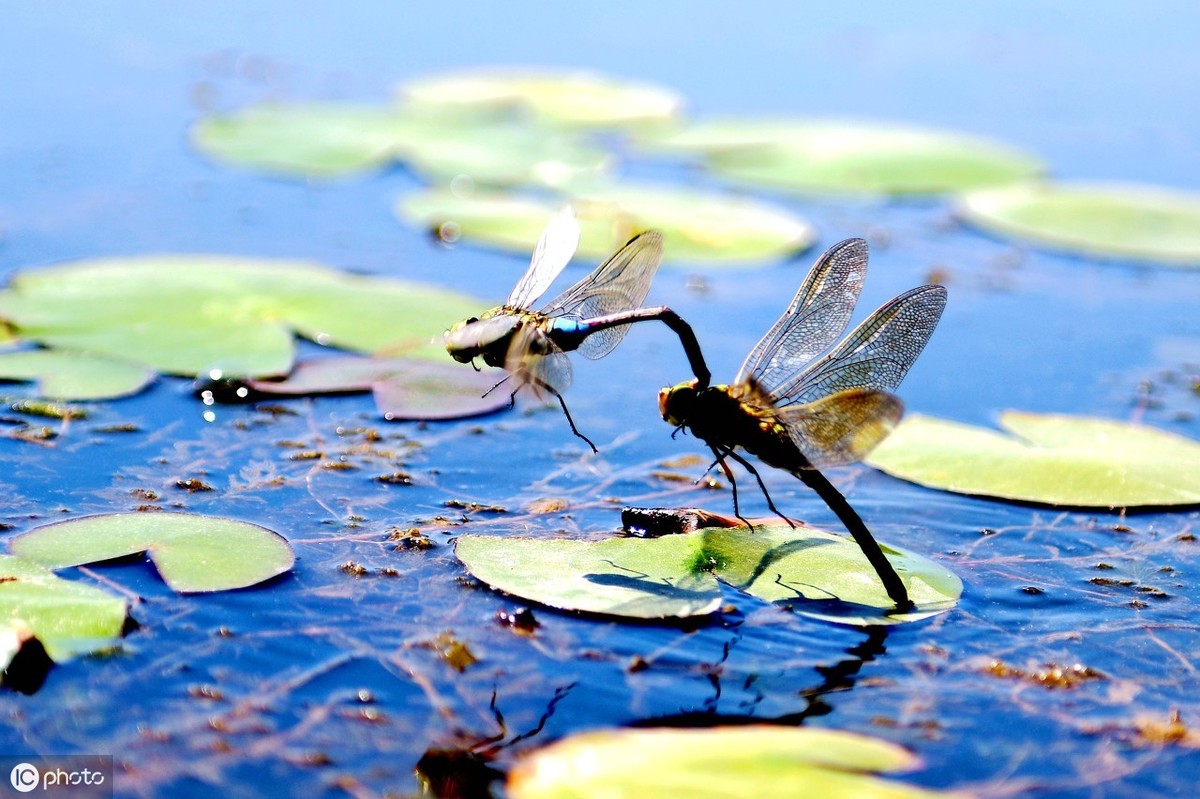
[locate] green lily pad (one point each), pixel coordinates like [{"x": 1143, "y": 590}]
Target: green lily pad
[
  {"x": 64, "y": 375},
  {"x": 306, "y": 140},
  {"x": 1108, "y": 220},
  {"x": 404, "y": 388},
  {"x": 815, "y": 156},
  {"x": 632, "y": 577},
  {"x": 187, "y": 314},
  {"x": 822, "y": 575},
  {"x": 726, "y": 762},
  {"x": 1071, "y": 461},
  {"x": 192, "y": 553},
  {"x": 696, "y": 226},
  {"x": 506, "y": 155},
  {"x": 69, "y": 618},
  {"x": 570, "y": 98}
]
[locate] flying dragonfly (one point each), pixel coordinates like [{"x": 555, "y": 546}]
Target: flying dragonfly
[
  {"x": 591, "y": 316},
  {"x": 800, "y": 412}
]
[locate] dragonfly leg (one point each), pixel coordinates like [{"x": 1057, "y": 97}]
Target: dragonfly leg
[
  {"x": 770, "y": 504},
  {"x": 720, "y": 459},
  {"x": 512, "y": 398},
  {"x": 550, "y": 389}
]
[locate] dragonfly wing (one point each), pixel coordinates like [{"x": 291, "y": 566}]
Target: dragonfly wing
[
  {"x": 619, "y": 284},
  {"x": 843, "y": 427},
  {"x": 876, "y": 355},
  {"x": 535, "y": 361},
  {"x": 553, "y": 252},
  {"x": 818, "y": 314}
]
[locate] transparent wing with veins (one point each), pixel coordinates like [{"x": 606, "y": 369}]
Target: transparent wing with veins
[
  {"x": 619, "y": 284},
  {"x": 553, "y": 252},
  {"x": 818, "y": 314},
  {"x": 841, "y": 428},
  {"x": 875, "y": 356}
]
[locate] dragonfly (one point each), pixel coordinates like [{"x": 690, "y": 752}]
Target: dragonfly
[
  {"x": 591, "y": 317},
  {"x": 799, "y": 412}
]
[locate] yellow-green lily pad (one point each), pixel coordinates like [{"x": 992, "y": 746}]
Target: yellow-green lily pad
[
  {"x": 69, "y": 618},
  {"x": 188, "y": 314},
  {"x": 1107, "y": 220},
  {"x": 192, "y": 553},
  {"x": 721, "y": 762},
  {"x": 64, "y": 375},
  {"x": 565, "y": 97},
  {"x": 818, "y": 574},
  {"x": 696, "y": 225},
  {"x": 1070, "y": 461},
  {"x": 306, "y": 140},
  {"x": 821, "y": 156}
]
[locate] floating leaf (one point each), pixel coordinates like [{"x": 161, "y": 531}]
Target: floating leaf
[
  {"x": 192, "y": 553},
  {"x": 67, "y": 375},
  {"x": 749, "y": 761},
  {"x": 831, "y": 156},
  {"x": 321, "y": 140},
  {"x": 404, "y": 388},
  {"x": 571, "y": 98},
  {"x": 696, "y": 226},
  {"x": 1100, "y": 219},
  {"x": 1072, "y": 461},
  {"x": 506, "y": 155},
  {"x": 69, "y": 618},
  {"x": 826, "y": 576},
  {"x": 185, "y": 315},
  {"x": 632, "y": 577}
]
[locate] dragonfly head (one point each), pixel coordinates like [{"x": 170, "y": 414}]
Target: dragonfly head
[
  {"x": 476, "y": 336},
  {"x": 676, "y": 403}
]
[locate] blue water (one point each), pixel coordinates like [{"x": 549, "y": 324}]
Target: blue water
[{"x": 321, "y": 679}]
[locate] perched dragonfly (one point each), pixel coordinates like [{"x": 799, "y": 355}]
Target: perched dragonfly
[
  {"x": 798, "y": 412},
  {"x": 591, "y": 316}
]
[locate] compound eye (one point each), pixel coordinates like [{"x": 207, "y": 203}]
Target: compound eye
[{"x": 471, "y": 321}]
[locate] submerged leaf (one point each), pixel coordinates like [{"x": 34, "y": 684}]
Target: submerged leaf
[
  {"x": 1109, "y": 220},
  {"x": 1072, "y": 461},
  {"x": 820, "y": 574},
  {"x": 816, "y": 156},
  {"x": 187, "y": 314},
  {"x": 572, "y": 98},
  {"x": 749, "y": 761},
  {"x": 66, "y": 375},
  {"x": 192, "y": 553},
  {"x": 404, "y": 388},
  {"x": 696, "y": 226},
  {"x": 68, "y": 618}
]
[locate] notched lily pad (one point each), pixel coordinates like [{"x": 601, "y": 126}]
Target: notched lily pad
[
  {"x": 188, "y": 314},
  {"x": 696, "y": 226},
  {"x": 68, "y": 618},
  {"x": 565, "y": 97},
  {"x": 404, "y": 388},
  {"x": 819, "y": 574},
  {"x": 1107, "y": 220},
  {"x": 1070, "y": 461},
  {"x": 743, "y": 761},
  {"x": 192, "y": 553},
  {"x": 636, "y": 578},
  {"x": 65, "y": 375},
  {"x": 821, "y": 156}
]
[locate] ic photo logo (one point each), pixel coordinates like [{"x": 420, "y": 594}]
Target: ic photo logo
[{"x": 24, "y": 777}]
